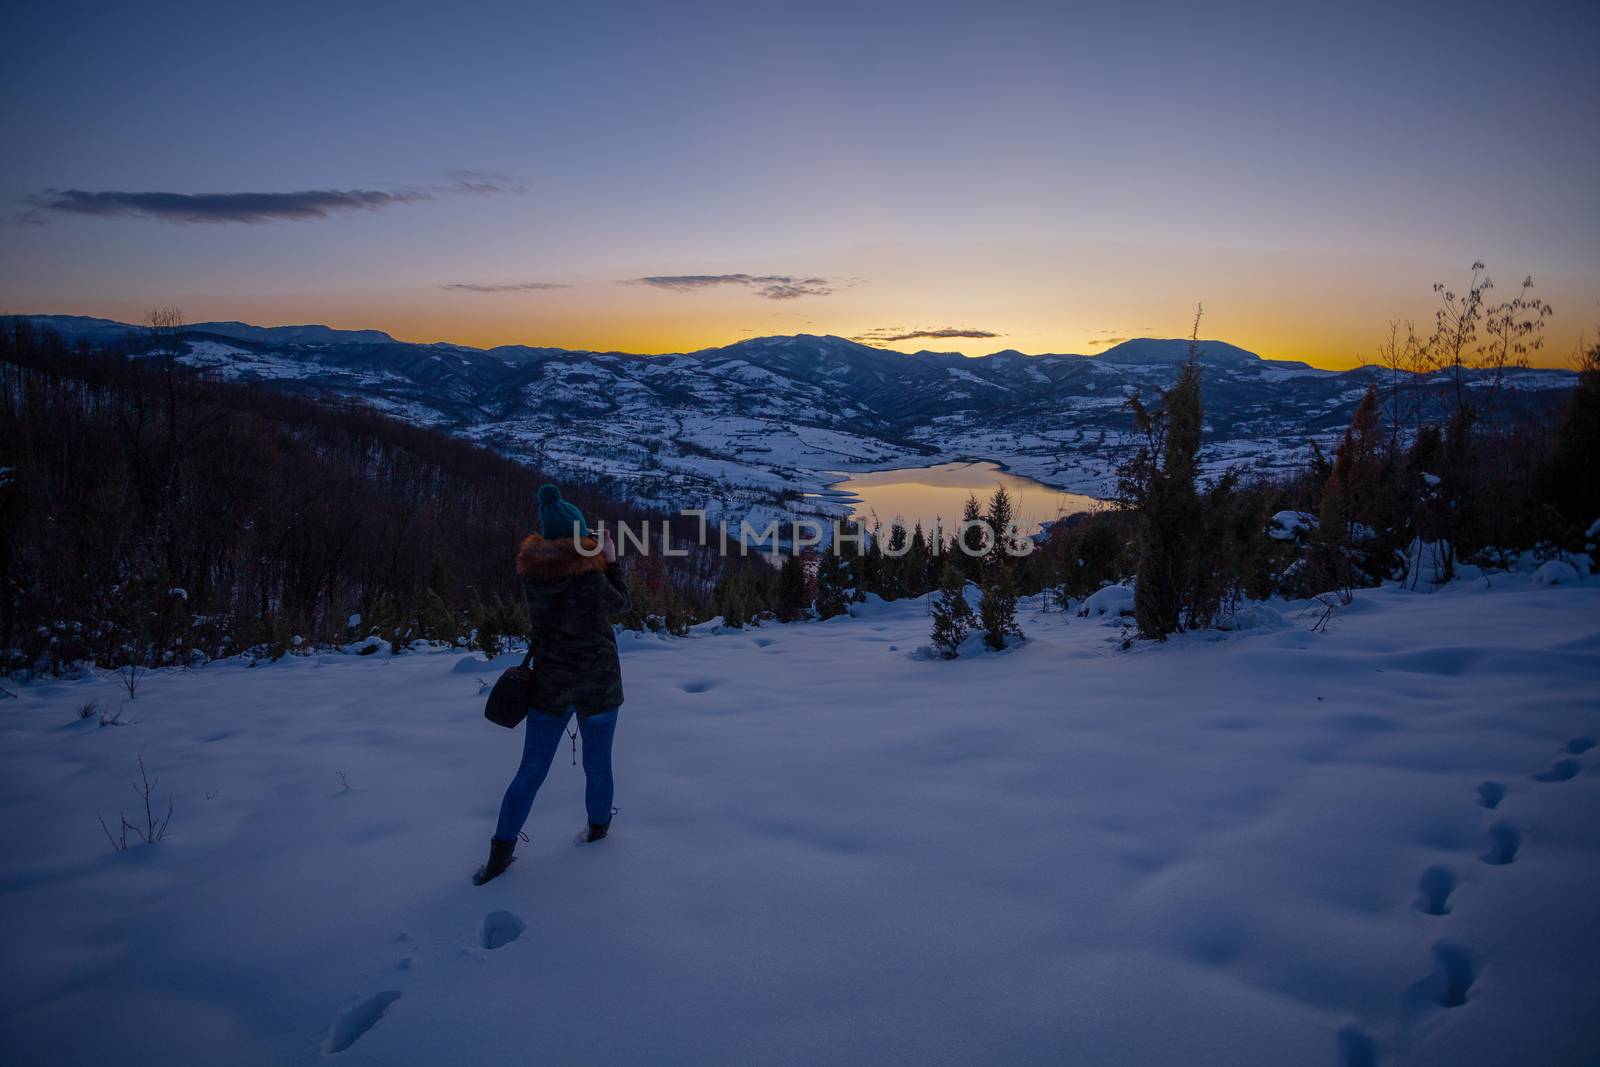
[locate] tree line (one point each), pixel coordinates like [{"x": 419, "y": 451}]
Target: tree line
[
  {"x": 152, "y": 515},
  {"x": 1435, "y": 470}
]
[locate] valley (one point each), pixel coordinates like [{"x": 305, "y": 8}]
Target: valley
[{"x": 762, "y": 428}]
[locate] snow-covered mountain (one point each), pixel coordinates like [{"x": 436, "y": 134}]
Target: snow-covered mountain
[{"x": 772, "y": 419}]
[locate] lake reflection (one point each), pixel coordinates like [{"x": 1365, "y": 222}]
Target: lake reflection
[{"x": 919, "y": 494}]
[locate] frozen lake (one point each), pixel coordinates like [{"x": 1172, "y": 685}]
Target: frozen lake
[{"x": 921, "y": 494}]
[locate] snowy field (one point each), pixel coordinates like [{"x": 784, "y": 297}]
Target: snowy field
[{"x": 1375, "y": 844}]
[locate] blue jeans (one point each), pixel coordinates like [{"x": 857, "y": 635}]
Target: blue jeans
[{"x": 544, "y": 734}]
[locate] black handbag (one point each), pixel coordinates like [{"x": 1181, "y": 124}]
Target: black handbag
[{"x": 508, "y": 700}]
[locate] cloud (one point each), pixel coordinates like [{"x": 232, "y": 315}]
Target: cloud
[
  {"x": 221, "y": 207},
  {"x": 511, "y": 287},
  {"x": 894, "y": 333},
  {"x": 252, "y": 208},
  {"x": 480, "y": 183},
  {"x": 1143, "y": 331},
  {"x": 768, "y": 286}
]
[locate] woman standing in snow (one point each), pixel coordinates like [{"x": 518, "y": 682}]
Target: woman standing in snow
[{"x": 573, "y": 585}]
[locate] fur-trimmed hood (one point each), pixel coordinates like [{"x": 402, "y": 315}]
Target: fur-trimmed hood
[{"x": 550, "y": 561}]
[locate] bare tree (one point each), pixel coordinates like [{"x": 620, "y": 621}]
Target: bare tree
[
  {"x": 131, "y": 673},
  {"x": 1401, "y": 367},
  {"x": 1474, "y": 342},
  {"x": 155, "y": 827},
  {"x": 163, "y": 330}
]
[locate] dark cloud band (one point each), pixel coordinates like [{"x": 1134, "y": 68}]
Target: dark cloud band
[
  {"x": 251, "y": 208},
  {"x": 768, "y": 286},
  {"x": 512, "y": 287},
  {"x": 940, "y": 334},
  {"x": 222, "y": 207}
]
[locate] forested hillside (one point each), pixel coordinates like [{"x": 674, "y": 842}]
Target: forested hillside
[{"x": 152, "y": 516}]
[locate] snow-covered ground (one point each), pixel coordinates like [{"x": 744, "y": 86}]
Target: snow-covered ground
[{"x": 1374, "y": 844}]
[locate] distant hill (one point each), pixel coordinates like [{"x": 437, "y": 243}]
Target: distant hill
[
  {"x": 102, "y": 330},
  {"x": 767, "y": 420},
  {"x": 294, "y": 335},
  {"x": 1141, "y": 351},
  {"x": 1149, "y": 351}
]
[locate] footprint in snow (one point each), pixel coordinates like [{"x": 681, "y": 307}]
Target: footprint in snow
[
  {"x": 1578, "y": 745},
  {"x": 500, "y": 928},
  {"x": 698, "y": 685},
  {"x": 1490, "y": 794},
  {"x": 348, "y": 1028},
  {"x": 1454, "y": 971},
  {"x": 1434, "y": 890},
  {"x": 1560, "y": 771},
  {"x": 761, "y": 642},
  {"x": 1504, "y": 841}
]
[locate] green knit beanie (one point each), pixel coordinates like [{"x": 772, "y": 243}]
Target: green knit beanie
[{"x": 557, "y": 517}]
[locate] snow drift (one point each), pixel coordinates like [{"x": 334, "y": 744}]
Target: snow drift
[{"x": 1373, "y": 843}]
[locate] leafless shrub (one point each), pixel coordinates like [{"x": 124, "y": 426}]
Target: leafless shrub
[
  {"x": 344, "y": 783},
  {"x": 155, "y": 827},
  {"x": 119, "y": 843},
  {"x": 1330, "y": 603},
  {"x": 130, "y": 674},
  {"x": 89, "y": 709}
]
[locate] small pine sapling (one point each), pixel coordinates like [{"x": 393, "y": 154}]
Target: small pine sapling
[
  {"x": 997, "y": 610},
  {"x": 952, "y": 615}
]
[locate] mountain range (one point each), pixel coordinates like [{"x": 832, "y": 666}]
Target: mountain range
[{"x": 766, "y": 425}]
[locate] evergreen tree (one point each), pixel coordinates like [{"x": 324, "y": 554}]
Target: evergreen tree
[
  {"x": 997, "y": 609},
  {"x": 1002, "y": 518},
  {"x": 1350, "y": 494},
  {"x": 791, "y": 597},
  {"x": 854, "y": 561},
  {"x": 729, "y": 601},
  {"x": 1089, "y": 557},
  {"x": 952, "y": 615},
  {"x": 1351, "y": 498},
  {"x": 1456, "y": 474},
  {"x": 870, "y": 577},
  {"x": 892, "y": 580},
  {"x": 1162, "y": 479},
  {"x": 1217, "y": 568},
  {"x": 496, "y": 622},
  {"x": 1574, "y": 487},
  {"x": 437, "y": 620},
  {"x": 734, "y": 612},
  {"x": 915, "y": 569},
  {"x": 970, "y": 558},
  {"x": 933, "y": 570},
  {"x": 833, "y": 585},
  {"x": 758, "y": 581}
]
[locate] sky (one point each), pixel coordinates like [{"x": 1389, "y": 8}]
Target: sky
[{"x": 1048, "y": 177}]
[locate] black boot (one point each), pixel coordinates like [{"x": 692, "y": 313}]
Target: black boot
[
  {"x": 500, "y": 858},
  {"x": 595, "y": 832}
]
